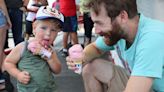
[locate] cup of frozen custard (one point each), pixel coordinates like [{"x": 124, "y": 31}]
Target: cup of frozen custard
[{"x": 76, "y": 54}]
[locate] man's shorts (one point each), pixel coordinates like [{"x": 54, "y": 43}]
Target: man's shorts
[
  {"x": 70, "y": 24},
  {"x": 2, "y": 19},
  {"x": 119, "y": 80}
]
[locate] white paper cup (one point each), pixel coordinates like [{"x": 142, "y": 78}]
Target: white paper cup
[{"x": 78, "y": 65}]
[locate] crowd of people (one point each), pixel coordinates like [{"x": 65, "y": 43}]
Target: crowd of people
[{"x": 135, "y": 37}]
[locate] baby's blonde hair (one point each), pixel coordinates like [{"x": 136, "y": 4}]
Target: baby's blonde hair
[{"x": 56, "y": 23}]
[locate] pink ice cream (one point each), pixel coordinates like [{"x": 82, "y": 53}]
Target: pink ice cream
[
  {"x": 76, "y": 51},
  {"x": 76, "y": 54},
  {"x": 34, "y": 47}
]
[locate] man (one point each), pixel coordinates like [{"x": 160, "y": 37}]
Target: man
[{"x": 138, "y": 43}]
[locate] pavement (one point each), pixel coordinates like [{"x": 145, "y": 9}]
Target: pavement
[{"x": 67, "y": 80}]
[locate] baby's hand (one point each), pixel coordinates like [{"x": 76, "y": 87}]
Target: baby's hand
[
  {"x": 46, "y": 53},
  {"x": 23, "y": 77},
  {"x": 34, "y": 47},
  {"x": 37, "y": 49}
]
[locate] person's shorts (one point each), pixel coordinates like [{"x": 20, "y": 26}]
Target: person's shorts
[
  {"x": 3, "y": 20},
  {"x": 70, "y": 24},
  {"x": 119, "y": 80}
]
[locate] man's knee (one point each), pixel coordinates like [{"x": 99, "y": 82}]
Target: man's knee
[
  {"x": 89, "y": 67},
  {"x": 100, "y": 69},
  {"x": 86, "y": 70}
]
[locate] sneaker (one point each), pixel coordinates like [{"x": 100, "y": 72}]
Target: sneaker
[
  {"x": 69, "y": 45},
  {"x": 2, "y": 81},
  {"x": 64, "y": 52}
]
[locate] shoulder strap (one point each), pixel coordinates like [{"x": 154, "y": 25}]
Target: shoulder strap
[
  {"x": 124, "y": 63},
  {"x": 25, "y": 47}
]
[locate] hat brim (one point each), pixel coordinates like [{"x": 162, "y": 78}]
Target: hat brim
[{"x": 44, "y": 18}]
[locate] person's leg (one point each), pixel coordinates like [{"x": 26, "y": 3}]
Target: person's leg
[
  {"x": 96, "y": 73},
  {"x": 65, "y": 39},
  {"x": 16, "y": 16},
  {"x": 73, "y": 30},
  {"x": 74, "y": 37},
  {"x": 28, "y": 30},
  {"x": 2, "y": 39},
  {"x": 3, "y": 30},
  {"x": 6, "y": 40},
  {"x": 88, "y": 25},
  {"x": 103, "y": 76},
  {"x": 66, "y": 33}
]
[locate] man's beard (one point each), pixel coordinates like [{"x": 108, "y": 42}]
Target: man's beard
[{"x": 112, "y": 37}]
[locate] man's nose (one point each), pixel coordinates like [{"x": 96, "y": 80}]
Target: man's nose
[{"x": 97, "y": 30}]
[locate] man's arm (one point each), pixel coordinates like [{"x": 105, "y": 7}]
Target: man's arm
[
  {"x": 139, "y": 84},
  {"x": 91, "y": 52},
  {"x": 97, "y": 48}
]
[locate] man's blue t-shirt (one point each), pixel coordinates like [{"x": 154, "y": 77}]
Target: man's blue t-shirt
[{"x": 146, "y": 55}]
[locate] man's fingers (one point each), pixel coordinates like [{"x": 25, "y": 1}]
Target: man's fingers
[
  {"x": 68, "y": 59},
  {"x": 72, "y": 68},
  {"x": 71, "y": 64}
]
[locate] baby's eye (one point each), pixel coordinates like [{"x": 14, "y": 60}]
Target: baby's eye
[
  {"x": 44, "y": 28},
  {"x": 53, "y": 30}
]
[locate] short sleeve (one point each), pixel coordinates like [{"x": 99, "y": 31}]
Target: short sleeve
[{"x": 149, "y": 58}]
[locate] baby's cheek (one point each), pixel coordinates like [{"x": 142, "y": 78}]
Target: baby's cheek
[
  {"x": 51, "y": 42},
  {"x": 52, "y": 38}
]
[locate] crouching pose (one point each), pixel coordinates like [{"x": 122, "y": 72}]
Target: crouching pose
[{"x": 137, "y": 40}]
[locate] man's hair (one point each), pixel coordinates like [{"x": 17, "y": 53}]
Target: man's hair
[{"x": 113, "y": 7}]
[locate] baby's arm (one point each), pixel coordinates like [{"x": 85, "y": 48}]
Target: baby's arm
[
  {"x": 48, "y": 54},
  {"x": 10, "y": 65}
]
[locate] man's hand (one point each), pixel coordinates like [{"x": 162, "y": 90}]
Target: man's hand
[
  {"x": 70, "y": 63},
  {"x": 23, "y": 77}
]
